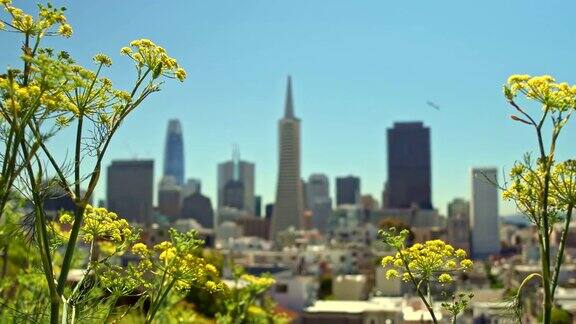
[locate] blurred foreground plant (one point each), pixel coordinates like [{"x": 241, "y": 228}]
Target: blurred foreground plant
[
  {"x": 422, "y": 264},
  {"x": 544, "y": 190},
  {"x": 48, "y": 94}
]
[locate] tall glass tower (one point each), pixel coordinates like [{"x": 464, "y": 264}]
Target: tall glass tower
[
  {"x": 174, "y": 152},
  {"x": 409, "y": 170}
]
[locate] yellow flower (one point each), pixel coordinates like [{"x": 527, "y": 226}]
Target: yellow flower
[
  {"x": 168, "y": 255},
  {"x": 125, "y": 50},
  {"x": 103, "y": 59},
  {"x": 460, "y": 253},
  {"x": 140, "y": 249},
  {"x": 445, "y": 278},
  {"x": 387, "y": 260},
  {"x": 65, "y": 30},
  {"x": 399, "y": 263},
  {"x": 107, "y": 247},
  {"x": 66, "y": 218},
  {"x": 163, "y": 246},
  {"x": 211, "y": 269},
  {"x": 406, "y": 277},
  {"x": 451, "y": 264},
  {"x": 211, "y": 285},
  {"x": 180, "y": 74},
  {"x": 391, "y": 274},
  {"x": 466, "y": 264}
]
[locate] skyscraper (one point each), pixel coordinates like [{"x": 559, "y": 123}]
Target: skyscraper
[
  {"x": 459, "y": 224},
  {"x": 258, "y": 206},
  {"x": 234, "y": 195},
  {"x": 409, "y": 174},
  {"x": 192, "y": 186},
  {"x": 174, "y": 152},
  {"x": 347, "y": 190},
  {"x": 318, "y": 188},
  {"x": 319, "y": 201},
  {"x": 484, "y": 220},
  {"x": 169, "y": 198},
  {"x": 289, "y": 206},
  {"x": 198, "y": 207},
  {"x": 129, "y": 189},
  {"x": 238, "y": 171}
]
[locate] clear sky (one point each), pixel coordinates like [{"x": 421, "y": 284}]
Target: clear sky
[{"x": 357, "y": 67}]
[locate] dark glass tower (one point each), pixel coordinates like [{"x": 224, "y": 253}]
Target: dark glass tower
[
  {"x": 174, "y": 152},
  {"x": 347, "y": 190},
  {"x": 409, "y": 175}
]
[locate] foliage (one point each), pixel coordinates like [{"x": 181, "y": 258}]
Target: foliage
[
  {"x": 421, "y": 264},
  {"x": 246, "y": 303},
  {"x": 50, "y": 93},
  {"x": 545, "y": 189}
]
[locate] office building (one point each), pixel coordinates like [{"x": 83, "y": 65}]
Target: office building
[
  {"x": 289, "y": 205},
  {"x": 347, "y": 190},
  {"x": 484, "y": 221},
  {"x": 409, "y": 170},
  {"x": 130, "y": 189},
  {"x": 174, "y": 152}
]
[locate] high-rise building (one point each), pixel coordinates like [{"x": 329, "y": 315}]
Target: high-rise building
[
  {"x": 289, "y": 206},
  {"x": 484, "y": 220},
  {"x": 409, "y": 171},
  {"x": 238, "y": 171},
  {"x": 347, "y": 190},
  {"x": 174, "y": 152},
  {"x": 318, "y": 188},
  {"x": 129, "y": 189},
  {"x": 234, "y": 195},
  {"x": 258, "y": 206},
  {"x": 319, "y": 201},
  {"x": 191, "y": 186},
  {"x": 459, "y": 224},
  {"x": 268, "y": 211},
  {"x": 199, "y": 208},
  {"x": 169, "y": 198}
]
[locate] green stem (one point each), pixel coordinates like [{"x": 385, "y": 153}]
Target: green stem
[
  {"x": 159, "y": 302},
  {"x": 43, "y": 244},
  {"x": 417, "y": 286},
  {"x": 560, "y": 254}
]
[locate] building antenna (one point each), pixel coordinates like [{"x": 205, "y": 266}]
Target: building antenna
[{"x": 236, "y": 161}]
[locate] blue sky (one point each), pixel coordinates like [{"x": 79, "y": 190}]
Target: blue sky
[{"x": 357, "y": 67}]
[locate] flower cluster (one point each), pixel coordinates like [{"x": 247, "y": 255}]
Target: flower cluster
[
  {"x": 147, "y": 54},
  {"x": 527, "y": 182},
  {"x": 558, "y": 96},
  {"x": 433, "y": 260},
  {"x": 180, "y": 261},
  {"x": 48, "y": 17},
  {"x": 563, "y": 183},
  {"x": 264, "y": 282},
  {"x": 112, "y": 233}
]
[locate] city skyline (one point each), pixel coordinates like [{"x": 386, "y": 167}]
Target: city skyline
[{"x": 360, "y": 68}]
